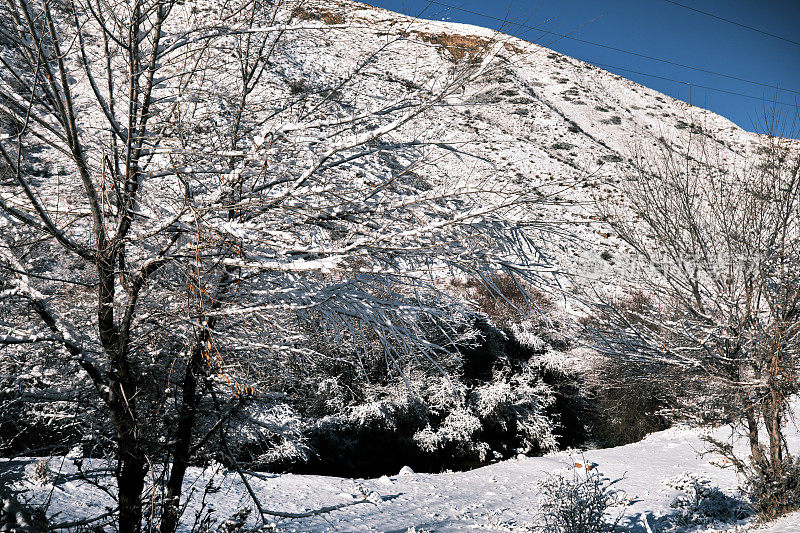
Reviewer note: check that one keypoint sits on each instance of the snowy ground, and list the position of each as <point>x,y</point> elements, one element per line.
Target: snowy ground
<point>499,497</point>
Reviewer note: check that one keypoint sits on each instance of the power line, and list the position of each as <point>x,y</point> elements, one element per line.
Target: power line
<point>691,84</point>
<point>683,82</point>
<point>687,83</point>
<point>712,15</point>
<point>614,48</point>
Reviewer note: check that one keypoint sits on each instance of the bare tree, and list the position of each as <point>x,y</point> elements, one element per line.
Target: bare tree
<point>176,210</point>
<point>718,238</point>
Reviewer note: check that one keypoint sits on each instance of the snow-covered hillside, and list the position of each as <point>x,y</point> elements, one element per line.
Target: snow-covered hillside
<point>536,120</point>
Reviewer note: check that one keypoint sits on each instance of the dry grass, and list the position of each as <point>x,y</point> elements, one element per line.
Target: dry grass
<point>508,301</point>
<point>317,13</point>
<point>513,48</point>
<point>635,307</point>
<point>459,46</point>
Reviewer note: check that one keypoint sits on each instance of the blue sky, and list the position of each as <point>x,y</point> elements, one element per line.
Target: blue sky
<point>664,30</point>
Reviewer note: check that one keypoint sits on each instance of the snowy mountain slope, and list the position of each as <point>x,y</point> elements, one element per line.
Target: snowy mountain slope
<point>534,121</point>
<point>537,120</point>
<point>499,497</point>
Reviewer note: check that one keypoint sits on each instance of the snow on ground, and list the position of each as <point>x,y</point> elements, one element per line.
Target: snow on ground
<point>787,524</point>
<point>499,497</point>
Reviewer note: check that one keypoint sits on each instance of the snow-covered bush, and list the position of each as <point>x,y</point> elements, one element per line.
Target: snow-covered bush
<point>519,403</point>
<point>497,398</point>
<point>579,502</point>
<point>235,523</point>
<point>40,472</point>
<point>459,434</point>
<point>772,496</point>
<point>701,503</point>
<point>509,414</point>
<point>505,300</point>
<point>269,434</point>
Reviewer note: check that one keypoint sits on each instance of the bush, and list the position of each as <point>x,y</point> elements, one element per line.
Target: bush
<point>504,299</point>
<point>701,503</point>
<point>628,398</point>
<point>318,13</point>
<point>626,403</point>
<point>772,496</point>
<point>508,392</point>
<point>579,503</point>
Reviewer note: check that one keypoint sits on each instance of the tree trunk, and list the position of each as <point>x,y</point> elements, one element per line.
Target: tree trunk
<point>772,421</point>
<point>752,434</point>
<point>130,481</point>
<point>120,398</point>
<point>132,461</point>
<point>183,439</point>
<point>188,414</point>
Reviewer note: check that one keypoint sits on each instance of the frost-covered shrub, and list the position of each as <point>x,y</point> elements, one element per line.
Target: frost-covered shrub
<point>519,403</point>
<point>235,523</point>
<point>40,473</point>
<point>458,434</point>
<point>380,415</point>
<point>444,423</point>
<point>528,336</point>
<point>773,496</point>
<point>507,415</point>
<point>701,503</point>
<point>505,392</point>
<point>367,439</point>
<point>260,433</point>
<point>579,502</point>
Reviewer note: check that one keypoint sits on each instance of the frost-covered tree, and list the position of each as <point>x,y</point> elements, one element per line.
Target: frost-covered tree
<point>719,233</point>
<point>187,196</point>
